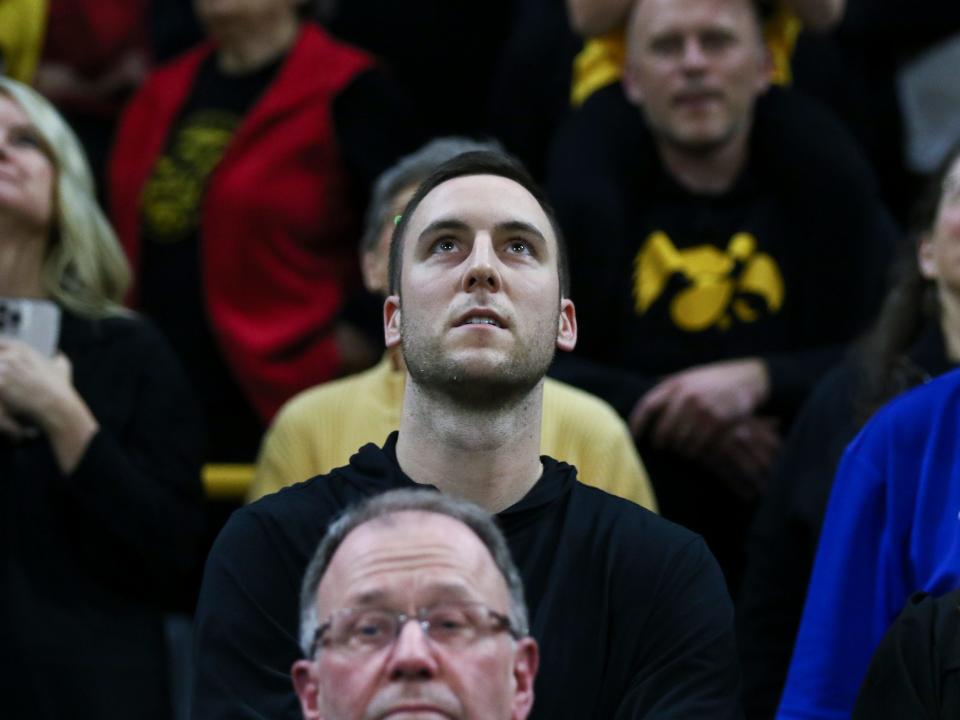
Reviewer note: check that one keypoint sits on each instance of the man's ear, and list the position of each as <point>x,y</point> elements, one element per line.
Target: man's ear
<point>525,664</point>
<point>567,326</point>
<point>631,87</point>
<point>391,321</point>
<point>926,257</point>
<point>766,68</point>
<point>306,683</point>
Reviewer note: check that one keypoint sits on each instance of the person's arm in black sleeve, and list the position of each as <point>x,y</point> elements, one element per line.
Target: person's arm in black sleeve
<point>829,191</point>
<point>375,124</point>
<point>782,542</point>
<point>137,484</point>
<point>245,627</point>
<point>688,664</point>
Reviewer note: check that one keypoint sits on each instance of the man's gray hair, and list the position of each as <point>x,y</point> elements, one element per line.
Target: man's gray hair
<point>478,520</point>
<point>410,170</point>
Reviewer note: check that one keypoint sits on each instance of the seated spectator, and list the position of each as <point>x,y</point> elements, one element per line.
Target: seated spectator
<point>915,672</point>
<point>727,242</point>
<point>322,427</point>
<point>916,337</point>
<point>235,185</point>
<point>431,579</point>
<point>479,302</point>
<point>99,461</point>
<point>890,530</point>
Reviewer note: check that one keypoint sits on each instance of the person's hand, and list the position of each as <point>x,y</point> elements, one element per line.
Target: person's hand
<point>744,455</point>
<point>40,390</point>
<point>688,411</point>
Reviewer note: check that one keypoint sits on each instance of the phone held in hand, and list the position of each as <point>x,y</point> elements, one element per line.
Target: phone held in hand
<point>35,322</point>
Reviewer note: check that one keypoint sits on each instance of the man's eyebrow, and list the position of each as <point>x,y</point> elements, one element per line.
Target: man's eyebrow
<point>504,227</point>
<point>520,226</point>
<point>444,224</point>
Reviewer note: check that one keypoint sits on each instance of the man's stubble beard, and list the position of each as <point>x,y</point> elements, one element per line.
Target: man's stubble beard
<point>489,388</point>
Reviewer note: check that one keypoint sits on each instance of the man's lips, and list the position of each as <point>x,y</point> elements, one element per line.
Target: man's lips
<point>483,317</point>
<point>696,98</point>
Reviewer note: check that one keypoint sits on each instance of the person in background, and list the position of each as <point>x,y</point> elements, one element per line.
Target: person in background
<point>727,241</point>
<point>236,183</point>
<point>916,337</point>
<point>319,429</point>
<point>915,672</point>
<point>891,529</point>
<point>99,452</point>
<point>429,579</point>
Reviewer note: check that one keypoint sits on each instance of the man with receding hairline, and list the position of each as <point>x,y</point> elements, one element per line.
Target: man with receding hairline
<point>412,604</point>
<point>630,611</point>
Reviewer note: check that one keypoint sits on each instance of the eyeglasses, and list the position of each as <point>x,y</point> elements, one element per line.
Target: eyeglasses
<point>453,624</point>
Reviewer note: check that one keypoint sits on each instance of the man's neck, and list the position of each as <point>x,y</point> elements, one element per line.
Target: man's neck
<point>246,49</point>
<point>709,173</point>
<point>491,458</point>
<point>21,264</point>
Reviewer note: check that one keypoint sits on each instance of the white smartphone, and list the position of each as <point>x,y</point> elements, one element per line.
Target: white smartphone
<point>35,322</point>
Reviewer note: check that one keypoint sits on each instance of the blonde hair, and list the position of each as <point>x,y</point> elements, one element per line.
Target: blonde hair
<point>84,270</point>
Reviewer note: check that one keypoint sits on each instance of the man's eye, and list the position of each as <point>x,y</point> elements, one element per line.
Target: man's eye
<point>443,245</point>
<point>667,45</point>
<point>519,247</point>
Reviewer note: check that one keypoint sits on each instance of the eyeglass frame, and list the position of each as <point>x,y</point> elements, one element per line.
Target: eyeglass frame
<point>504,623</point>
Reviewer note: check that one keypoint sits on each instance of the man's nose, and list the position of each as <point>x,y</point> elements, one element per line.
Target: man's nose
<point>482,266</point>
<point>694,58</point>
<point>412,656</point>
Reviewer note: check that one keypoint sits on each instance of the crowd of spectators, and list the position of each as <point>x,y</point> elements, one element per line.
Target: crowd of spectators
<point>760,204</point>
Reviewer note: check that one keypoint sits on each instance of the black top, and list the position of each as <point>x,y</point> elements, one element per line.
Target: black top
<point>788,264</point>
<point>915,672</point>
<point>88,561</point>
<point>784,537</point>
<point>630,611</point>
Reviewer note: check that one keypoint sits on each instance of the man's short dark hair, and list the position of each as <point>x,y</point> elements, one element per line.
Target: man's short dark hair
<point>477,163</point>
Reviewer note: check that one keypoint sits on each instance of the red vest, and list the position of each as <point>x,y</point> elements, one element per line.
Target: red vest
<point>278,231</point>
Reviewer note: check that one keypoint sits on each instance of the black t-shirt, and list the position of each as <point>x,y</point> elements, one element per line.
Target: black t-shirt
<point>171,282</point>
<point>630,611</point>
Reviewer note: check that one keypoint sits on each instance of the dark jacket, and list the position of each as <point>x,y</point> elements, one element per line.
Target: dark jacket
<point>89,561</point>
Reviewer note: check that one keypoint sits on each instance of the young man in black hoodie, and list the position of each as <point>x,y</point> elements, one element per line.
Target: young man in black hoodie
<point>630,611</point>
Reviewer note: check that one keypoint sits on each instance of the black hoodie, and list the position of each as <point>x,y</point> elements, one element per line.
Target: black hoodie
<point>631,612</point>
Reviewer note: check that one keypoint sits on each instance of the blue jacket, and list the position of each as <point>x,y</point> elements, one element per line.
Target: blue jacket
<point>892,528</point>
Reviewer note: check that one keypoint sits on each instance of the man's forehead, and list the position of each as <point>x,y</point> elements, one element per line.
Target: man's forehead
<point>657,16</point>
<point>480,200</point>
<point>422,547</point>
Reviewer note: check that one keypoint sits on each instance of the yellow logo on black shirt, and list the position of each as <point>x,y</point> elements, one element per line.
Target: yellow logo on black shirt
<point>718,285</point>
<point>172,196</point>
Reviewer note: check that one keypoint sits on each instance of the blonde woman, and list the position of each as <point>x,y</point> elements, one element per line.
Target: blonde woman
<point>99,483</point>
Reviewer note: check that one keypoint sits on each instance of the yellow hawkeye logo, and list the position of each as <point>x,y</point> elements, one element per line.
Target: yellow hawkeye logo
<point>718,285</point>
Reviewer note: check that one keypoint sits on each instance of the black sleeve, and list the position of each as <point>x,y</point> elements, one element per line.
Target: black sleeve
<point>375,124</point>
<point>782,543</point>
<point>137,486</point>
<point>915,672</point>
<point>830,192</point>
<point>245,626</point>
<point>688,665</point>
